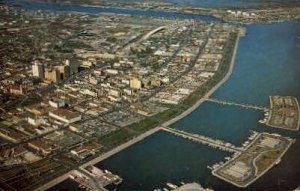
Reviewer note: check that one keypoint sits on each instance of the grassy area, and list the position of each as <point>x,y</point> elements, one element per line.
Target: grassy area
<point>121,135</point>
<point>154,121</point>
<point>265,160</point>
<point>116,137</point>
<point>254,149</point>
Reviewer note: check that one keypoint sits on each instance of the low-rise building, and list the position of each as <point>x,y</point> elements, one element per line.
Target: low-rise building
<point>42,145</point>
<point>135,83</point>
<point>56,103</point>
<point>52,75</point>
<point>65,116</point>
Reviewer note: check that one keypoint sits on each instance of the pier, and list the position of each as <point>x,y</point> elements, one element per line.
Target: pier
<point>246,106</point>
<point>215,143</point>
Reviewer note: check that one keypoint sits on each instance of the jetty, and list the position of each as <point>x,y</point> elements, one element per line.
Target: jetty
<point>93,178</point>
<point>243,105</point>
<point>215,143</point>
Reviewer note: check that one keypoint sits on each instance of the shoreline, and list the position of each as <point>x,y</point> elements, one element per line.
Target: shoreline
<point>154,130</point>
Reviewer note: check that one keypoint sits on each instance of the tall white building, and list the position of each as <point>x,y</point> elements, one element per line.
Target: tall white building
<point>38,70</point>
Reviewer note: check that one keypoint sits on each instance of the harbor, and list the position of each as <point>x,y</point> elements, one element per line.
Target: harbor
<point>93,178</point>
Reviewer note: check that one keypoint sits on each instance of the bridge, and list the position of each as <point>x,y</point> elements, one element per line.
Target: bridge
<point>144,37</point>
<point>215,143</point>
<point>246,106</point>
<point>153,32</point>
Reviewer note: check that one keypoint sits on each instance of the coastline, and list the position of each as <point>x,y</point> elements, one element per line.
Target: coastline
<point>153,130</point>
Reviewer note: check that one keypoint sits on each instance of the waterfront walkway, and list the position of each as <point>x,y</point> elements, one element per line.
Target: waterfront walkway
<point>215,143</point>
<point>246,106</point>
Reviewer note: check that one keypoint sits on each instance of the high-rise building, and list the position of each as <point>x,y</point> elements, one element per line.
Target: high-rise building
<point>64,71</point>
<point>53,75</point>
<point>38,70</point>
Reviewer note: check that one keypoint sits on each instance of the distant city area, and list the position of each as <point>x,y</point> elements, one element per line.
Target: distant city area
<point>78,87</point>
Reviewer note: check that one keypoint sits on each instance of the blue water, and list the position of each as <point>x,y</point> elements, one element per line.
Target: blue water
<point>220,122</point>
<point>155,161</point>
<point>267,63</point>
<point>233,3</point>
<point>215,3</point>
<point>66,186</point>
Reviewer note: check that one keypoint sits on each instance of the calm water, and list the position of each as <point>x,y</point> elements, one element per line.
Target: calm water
<point>65,186</point>
<point>268,63</point>
<point>163,158</point>
<point>233,3</point>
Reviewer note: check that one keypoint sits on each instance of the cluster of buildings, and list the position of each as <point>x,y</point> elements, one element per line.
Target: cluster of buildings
<point>208,48</point>
<point>117,71</point>
<point>284,113</point>
<point>55,74</point>
<point>266,15</point>
<point>137,68</point>
<point>238,13</point>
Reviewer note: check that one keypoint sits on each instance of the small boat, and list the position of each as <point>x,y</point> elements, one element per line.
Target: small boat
<point>262,121</point>
<point>173,186</point>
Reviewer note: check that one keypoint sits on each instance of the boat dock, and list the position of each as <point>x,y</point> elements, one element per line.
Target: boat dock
<point>246,106</point>
<point>93,178</point>
<point>215,143</point>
